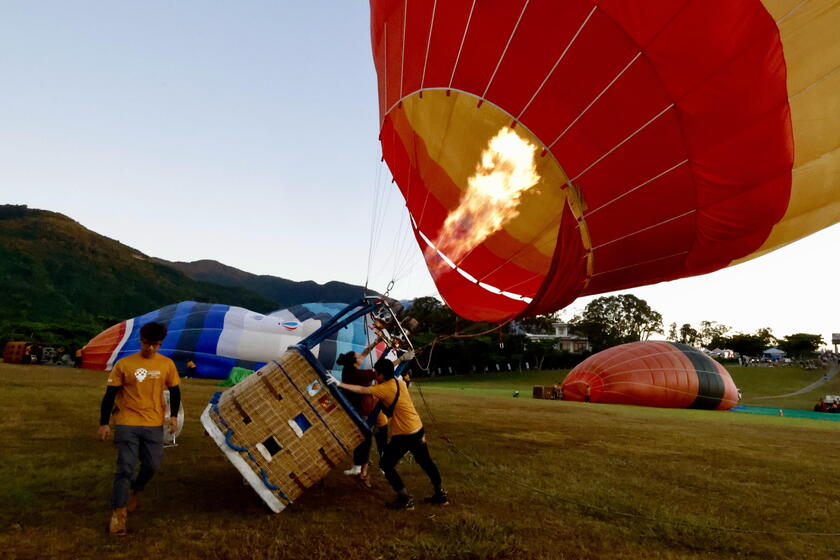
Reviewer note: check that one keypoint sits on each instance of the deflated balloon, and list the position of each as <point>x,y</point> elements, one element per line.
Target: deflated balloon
<point>548,150</point>
<point>663,374</point>
<point>217,338</point>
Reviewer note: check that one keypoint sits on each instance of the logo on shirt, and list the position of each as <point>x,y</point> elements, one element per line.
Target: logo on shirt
<point>140,374</point>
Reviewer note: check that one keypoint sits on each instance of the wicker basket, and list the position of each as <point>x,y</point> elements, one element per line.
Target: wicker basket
<point>283,428</point>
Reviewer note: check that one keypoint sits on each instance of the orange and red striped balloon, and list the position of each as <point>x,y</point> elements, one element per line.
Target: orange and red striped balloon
<point>663,374</point>
<point>670,138</point>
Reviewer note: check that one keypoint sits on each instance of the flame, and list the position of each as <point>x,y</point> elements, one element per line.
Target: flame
<point>506,170</point>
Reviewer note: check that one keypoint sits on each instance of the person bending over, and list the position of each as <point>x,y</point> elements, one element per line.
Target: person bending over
<point>407,434</point>
<point>136,385</point>
<point>364,405</point>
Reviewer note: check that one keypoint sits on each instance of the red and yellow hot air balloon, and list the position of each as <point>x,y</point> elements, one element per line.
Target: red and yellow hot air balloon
<point>663,374</point>
<point>548,150</point>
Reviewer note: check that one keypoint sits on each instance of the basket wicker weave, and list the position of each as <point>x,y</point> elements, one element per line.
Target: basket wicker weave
<point>283,428</point>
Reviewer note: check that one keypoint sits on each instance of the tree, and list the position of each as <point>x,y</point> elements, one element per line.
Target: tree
<point>800,345</point>
<point>432,315</point>
<point>541,324</point>
<point>611,320</point>
<point>672,332</point>
<point>711,331</point>
<point>751,344</point>
<point>688,335</point>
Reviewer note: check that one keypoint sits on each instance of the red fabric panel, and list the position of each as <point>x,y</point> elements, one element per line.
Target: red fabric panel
<point>546,29</point>
<point>673,237</point>
<point>392,51</point>
<point>597,56</point>
<point>670,195</point>
<point>704,35</point>
<point>416,37</point>
<point>450,22</point>
<point>643,20</point>
<point>621,279</point>
<point>490,27</point>
<point>97,352</point>
<point>566,277</point>
<point>725,228</point>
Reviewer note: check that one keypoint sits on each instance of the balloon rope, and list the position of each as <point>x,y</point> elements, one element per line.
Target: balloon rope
<point>443,337</point>
<point>461,47</point>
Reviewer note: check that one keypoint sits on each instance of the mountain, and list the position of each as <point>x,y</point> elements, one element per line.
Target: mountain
<point>58,276</point>
<point>283,292</point>
<point>63,283</point>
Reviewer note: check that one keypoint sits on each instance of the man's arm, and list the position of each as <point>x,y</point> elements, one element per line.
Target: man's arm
<point>354,388</point>
<point>174,400</point>
<point>105,410</point>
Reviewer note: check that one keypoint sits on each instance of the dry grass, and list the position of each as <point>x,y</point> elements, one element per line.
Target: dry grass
<point>527,479</point>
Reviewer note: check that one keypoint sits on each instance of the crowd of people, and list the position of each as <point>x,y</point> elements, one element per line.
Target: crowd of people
<point>828,403</point>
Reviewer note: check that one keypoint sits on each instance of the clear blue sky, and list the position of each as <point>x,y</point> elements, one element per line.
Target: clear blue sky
<point>246,132</point>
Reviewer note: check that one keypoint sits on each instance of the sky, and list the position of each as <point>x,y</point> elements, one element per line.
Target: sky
<point>246,132</point>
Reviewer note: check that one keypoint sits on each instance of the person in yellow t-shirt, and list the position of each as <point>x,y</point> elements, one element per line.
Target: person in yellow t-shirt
<point>406,431</point>
<point>136,385</point>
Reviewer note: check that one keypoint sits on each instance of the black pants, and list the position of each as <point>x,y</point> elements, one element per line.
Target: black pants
<point>361,454</point>
<point>397,448</point>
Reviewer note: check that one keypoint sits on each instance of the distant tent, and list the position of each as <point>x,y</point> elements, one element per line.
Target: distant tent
<point>773,353</point>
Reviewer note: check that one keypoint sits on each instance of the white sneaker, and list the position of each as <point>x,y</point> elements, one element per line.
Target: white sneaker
<point>354,470</point>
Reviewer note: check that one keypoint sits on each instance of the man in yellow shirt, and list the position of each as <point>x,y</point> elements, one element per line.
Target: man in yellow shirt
<point>136,385</point>
<point>406,431</point>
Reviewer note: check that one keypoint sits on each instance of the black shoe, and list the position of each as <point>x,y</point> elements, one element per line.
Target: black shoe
<point>402,501</point>
<point>439,499</point>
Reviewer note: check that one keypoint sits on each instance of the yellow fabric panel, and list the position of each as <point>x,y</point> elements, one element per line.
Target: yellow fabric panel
<point>815,114</point>
<point>810,33</point>
<point>779,9</point>
<point>458,151</point>
<point>810,41</point>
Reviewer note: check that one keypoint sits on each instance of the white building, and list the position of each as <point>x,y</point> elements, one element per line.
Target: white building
<point>565,340</point>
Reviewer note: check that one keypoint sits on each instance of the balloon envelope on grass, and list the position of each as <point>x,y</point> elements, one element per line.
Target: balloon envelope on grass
<point>662,374</point>
<point>217,338</point>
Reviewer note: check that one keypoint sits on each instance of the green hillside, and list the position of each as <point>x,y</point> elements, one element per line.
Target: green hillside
<point>57,275</point>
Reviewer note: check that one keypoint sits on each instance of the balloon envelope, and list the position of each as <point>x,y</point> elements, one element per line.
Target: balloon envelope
<point>665,139</point>
<point>662,374</point>
<point>219,337</point>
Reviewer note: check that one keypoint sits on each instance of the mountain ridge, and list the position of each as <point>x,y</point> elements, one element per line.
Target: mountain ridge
<point>57,274</point>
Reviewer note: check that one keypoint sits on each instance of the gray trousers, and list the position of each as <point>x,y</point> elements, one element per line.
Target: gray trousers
<point>135,442</point>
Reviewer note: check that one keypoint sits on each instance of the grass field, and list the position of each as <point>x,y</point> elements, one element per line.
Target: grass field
<point>527,479</point>
<point>754,382</point>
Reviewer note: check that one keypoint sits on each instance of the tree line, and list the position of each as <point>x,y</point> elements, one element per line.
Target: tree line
<point>455,345</point>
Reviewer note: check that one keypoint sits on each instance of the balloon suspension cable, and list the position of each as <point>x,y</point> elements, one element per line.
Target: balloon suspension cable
<point>442,337</point>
